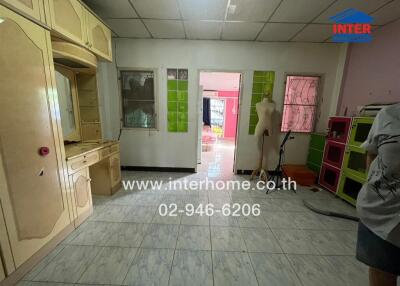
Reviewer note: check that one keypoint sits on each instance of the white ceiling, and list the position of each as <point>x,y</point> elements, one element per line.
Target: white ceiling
<point>243,20</point>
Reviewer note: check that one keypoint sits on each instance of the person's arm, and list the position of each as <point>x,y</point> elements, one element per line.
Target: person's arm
<point>370,157</point>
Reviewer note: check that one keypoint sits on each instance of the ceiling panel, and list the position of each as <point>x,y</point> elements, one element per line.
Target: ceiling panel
<point>388,13</point>
<point>251,10</point>
<point>166,29</point>
<point>314,33</point>
<point>157,9</point>
<point>207,30</point>
<point>112,8</point>
<point>241,31</point>
<point>300,11</point>
<point>366,6</point>
<point>279,32</point>
<point>203,9</point>
<point>132,28</point>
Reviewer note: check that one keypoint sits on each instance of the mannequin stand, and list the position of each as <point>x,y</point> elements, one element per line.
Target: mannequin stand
<point>262,173</point>
<point>277,174</point>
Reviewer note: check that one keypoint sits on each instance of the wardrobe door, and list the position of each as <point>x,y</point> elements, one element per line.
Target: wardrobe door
<point>31,8</point>
<point>32,187</point>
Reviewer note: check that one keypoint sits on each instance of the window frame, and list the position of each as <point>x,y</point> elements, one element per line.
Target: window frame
<point>156,100</point>
<point>317,114</point>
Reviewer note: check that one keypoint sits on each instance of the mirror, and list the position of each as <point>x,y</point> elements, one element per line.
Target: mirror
<point>65,81</point>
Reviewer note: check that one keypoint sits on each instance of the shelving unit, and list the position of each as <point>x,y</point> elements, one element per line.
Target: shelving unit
<point>316,151</point>
<point>355,172</point>
<point>335,145</point>
<point>344,168</point>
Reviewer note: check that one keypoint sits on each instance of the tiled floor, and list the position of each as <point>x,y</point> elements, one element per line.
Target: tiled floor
<point>126,241</point>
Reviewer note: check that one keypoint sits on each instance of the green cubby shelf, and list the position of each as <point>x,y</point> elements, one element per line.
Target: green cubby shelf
<point>360,128</point>
<point>349,187</point>
<point>355,161</point>
<point>316,151</point>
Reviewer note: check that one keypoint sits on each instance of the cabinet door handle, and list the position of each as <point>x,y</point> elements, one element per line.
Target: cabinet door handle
<point>84,162</point>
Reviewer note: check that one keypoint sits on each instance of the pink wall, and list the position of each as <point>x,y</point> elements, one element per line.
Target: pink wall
<point>231,105</point>
<point>372,73</point>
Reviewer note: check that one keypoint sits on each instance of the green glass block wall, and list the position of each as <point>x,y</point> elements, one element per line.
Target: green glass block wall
<point>263,87</point>
<point>177,86</point>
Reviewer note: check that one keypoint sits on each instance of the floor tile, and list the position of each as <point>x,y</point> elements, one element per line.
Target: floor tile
<point>294,241</point>
<point>273,270</point>
<point>111,213</point>
<point>233,268</point>
<point>127,235</point>
<point>42,264</point>
<point>168,219</point>
<point>218,219</point>
<point>110,266</point>
<point>307,220</point>
<point>252,221</point>
<point>194,238</point>
<point>316,270</point>
<point>334,223</point>
<point>260,240</point>
<point>191,268</point>
<point>195,220</point>
<point>140,214</point>
<point>150,267</point>
<point>94,233</point>
<point>227,239</point>
<point>36,283</point>
<point>333,242</point>
<point>161,236</point>
<point>69,264</point>
<point>352,271</point>
<point>279,219</point>
<point>269,205</point>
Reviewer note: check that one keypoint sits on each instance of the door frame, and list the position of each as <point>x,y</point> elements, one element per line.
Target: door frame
<point>239,104</point>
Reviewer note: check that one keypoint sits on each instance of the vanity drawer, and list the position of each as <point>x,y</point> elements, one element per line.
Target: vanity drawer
<point>83,161</point>
<point>114,148</point>
<point>104,152</point>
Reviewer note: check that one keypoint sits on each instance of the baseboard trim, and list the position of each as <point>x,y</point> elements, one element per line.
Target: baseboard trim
<point>158,169</point>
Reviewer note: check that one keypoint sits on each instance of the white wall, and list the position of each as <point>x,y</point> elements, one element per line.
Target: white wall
<point>163,149</point>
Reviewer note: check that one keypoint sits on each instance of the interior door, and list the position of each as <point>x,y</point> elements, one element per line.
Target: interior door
<point>237,125</point>
<point>199,123</point>
<point>32,189</point>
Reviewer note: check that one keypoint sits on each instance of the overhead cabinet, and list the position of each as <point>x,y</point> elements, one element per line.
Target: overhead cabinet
<point>72,21</point>
<point>68,20</point>
<point>31,8</point>
<point>99,37</point>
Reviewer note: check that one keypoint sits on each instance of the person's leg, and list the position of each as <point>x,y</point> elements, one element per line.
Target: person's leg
<point>381,278</point>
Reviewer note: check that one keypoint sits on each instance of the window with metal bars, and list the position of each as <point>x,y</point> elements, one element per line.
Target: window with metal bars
<point>300,103</point>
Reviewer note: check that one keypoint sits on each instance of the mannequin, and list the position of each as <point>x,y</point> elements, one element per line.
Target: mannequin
<point>264,109</point>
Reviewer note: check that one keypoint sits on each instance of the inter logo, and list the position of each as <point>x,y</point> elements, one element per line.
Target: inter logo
<point>351,26</point>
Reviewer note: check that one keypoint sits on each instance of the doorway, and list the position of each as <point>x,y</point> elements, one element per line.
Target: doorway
<point>219,95</point>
